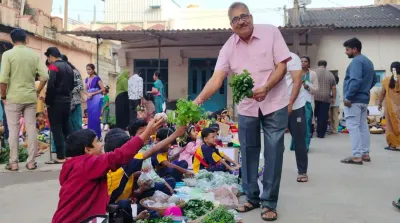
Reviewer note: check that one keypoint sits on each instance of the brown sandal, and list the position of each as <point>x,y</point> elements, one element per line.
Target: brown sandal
<point>247,208</point>
<point>266,212</point>
<point>302,178</point>
<point>10,168</point>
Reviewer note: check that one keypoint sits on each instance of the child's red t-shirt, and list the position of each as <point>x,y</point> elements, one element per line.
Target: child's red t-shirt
<point>83,181</point>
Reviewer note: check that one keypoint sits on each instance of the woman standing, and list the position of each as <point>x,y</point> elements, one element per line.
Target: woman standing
<point>391,90</point>
<point>122,101</point>
<point>158,92</point>
<point>310,84</point>
<point>94,92</point>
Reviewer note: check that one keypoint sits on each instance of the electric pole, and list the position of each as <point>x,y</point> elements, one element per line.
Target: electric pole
<point>285,20</point>
<point>65,15</point>
<point>296,23</point>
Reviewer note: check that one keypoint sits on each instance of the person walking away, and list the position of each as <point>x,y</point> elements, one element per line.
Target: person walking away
<point>335,109</point>
<point>94,92</point>
<point>135,91</point>
<point>391,91</point>
<point>105,111</point>
<point>158,92</point>
<point>324,97</point>
<point>18,71</point>
<point>121,100</point>
<point>262,50</point>
<point>360,78</point>
<point>310,84</point>
<point>58,100</point>
<point>297,116</point>
<point>76,107</point>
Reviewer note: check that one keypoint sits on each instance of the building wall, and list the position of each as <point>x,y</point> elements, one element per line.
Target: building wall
<point>177,66</point>
<point>381,2</point>
<point>197,18</point>
<point>45,5</point>
<point>138,11</point>
<point>381,46</point>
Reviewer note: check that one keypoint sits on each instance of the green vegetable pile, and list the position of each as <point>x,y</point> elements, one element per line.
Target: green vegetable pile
<point>186,112</point>
<point>242,85</point>
<point>5,154</point>
<point>157,220</point>
<point>219,215</point>
<point>196,208</point>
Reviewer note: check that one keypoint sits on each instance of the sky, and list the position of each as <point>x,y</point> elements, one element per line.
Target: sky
<point>263,11</point>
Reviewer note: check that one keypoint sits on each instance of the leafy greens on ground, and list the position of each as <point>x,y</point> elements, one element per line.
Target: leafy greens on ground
<point>196,208</point>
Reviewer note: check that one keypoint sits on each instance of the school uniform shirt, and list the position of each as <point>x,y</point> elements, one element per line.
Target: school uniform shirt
<point>209,154</point>
<point>120,182</point>
<point>156,161</point>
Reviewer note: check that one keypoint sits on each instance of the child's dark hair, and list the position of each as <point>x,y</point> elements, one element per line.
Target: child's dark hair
<point>164,133</point>
<point>85,111</point>
<point>107,89</point>
<point>39,114</point>
<point>206,132</point>
<point>135,125</point>
<point>148,97</point>
<point>78,141</point>
<point>115,138</point>
<point>215,127</point>
<point>336,79</point>
<point>392,82</point>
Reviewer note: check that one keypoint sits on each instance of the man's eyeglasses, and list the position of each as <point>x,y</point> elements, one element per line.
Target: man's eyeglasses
<point>242,17</point>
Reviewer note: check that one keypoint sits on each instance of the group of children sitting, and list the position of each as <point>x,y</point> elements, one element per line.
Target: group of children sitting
<point>132,167</point>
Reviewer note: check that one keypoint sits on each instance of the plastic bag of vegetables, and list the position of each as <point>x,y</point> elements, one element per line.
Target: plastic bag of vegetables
<point>242,85</point>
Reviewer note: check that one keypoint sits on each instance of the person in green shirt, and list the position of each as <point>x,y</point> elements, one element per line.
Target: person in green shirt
<point>105,111</point>
<point>17,83</point>
<point>122,101</point>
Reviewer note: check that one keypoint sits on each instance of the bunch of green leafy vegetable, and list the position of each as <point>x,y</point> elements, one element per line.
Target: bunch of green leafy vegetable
<point>187,112</point>
<point>5,154</point>
<point>242,85</point>
<point>196,208</point>
<point>219,215</point>
<point>157,220</point>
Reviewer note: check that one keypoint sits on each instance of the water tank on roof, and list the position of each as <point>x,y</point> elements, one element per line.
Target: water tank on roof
<point>304,2</point>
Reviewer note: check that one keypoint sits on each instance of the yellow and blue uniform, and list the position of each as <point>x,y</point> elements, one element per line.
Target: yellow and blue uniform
<point>164,171</point>
<point>211,156</point>
<point>120,182</point>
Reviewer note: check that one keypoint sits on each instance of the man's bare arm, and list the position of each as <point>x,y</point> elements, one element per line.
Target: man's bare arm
<point>41,86</point>
<point>277,75</point>
<point>297,83</point>
<point>211,87</point>
<point>3,89</point>
<point>333,94</point>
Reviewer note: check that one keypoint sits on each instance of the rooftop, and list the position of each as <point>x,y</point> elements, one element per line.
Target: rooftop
<point>382,16</point>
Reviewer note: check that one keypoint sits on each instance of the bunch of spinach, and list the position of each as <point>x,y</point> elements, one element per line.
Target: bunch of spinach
<point>196,208</point>
<point>187,112</point>
<point>242,85</point>
<point>219,215</point>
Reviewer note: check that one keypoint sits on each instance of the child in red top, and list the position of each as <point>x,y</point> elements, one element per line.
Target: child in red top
<point>83,178</point>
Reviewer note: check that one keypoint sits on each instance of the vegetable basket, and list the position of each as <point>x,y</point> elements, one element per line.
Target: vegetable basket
<point>161,210</point>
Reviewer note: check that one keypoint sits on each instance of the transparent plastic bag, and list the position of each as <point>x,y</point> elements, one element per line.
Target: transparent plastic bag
<point>174,199</point>
<point>190,182</point>
<point>160,197</point>
<point>145,180</point>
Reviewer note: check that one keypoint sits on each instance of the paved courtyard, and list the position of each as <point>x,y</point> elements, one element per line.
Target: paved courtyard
<point>336,193</point>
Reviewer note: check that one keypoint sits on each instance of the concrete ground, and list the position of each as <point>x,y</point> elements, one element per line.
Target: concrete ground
<point>336,193</point>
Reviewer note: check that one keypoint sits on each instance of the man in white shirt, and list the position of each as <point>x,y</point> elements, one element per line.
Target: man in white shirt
<point>297,116</point>
<point>135,93</point>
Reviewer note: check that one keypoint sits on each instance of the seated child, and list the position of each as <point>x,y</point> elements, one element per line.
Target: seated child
<point>166,185</point>
<point>193,143</point>
<point>147,102</point>
<point>83,178</point>
<point>224,116</point>
<point>161,163</point>
<point>40,122</point>
<point>209,157</point>
<point>121,182</point>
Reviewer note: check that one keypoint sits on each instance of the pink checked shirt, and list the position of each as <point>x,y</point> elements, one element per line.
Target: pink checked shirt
<point>187,153</point>
<point>265,49</point>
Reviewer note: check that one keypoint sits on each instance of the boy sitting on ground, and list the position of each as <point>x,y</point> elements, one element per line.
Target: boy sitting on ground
<point>83,179</point>
<point>166,185</point>
<point>209,157</point>
<point>121,181</point>
<point>161,163</point>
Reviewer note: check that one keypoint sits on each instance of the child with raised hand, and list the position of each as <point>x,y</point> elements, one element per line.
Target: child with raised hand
<point>209,157</point>
<point>121,182</point>
<point>162,164</point>
<point>83,178</point>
